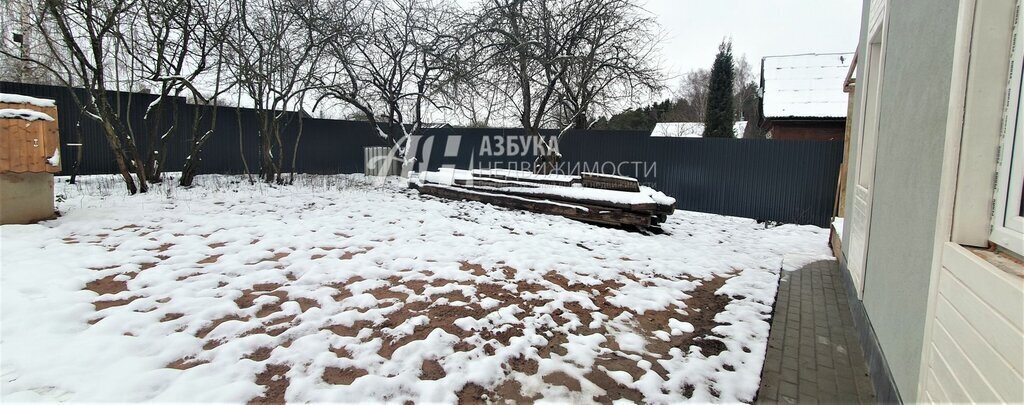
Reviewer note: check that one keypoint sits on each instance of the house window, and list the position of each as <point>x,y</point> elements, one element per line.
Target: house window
<point>1008,218</point>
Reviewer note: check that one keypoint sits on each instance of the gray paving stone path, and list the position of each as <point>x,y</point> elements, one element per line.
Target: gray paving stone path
<point>814,353</point>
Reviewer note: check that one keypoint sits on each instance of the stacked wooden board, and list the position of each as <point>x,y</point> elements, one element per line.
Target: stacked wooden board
<point>590,197</point>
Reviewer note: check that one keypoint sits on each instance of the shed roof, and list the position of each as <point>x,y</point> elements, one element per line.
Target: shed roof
<point>805,86</point>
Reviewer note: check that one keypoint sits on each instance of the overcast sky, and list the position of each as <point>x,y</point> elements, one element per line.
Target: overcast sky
<point>694,28</point>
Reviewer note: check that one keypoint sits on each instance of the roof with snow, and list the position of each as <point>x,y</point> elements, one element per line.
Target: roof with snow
<point>690,129</point>
<point>8,98</point>
<point>805,86</point>
<point>24,114</point>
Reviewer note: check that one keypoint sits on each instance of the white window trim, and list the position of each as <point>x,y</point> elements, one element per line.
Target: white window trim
<point>1007,223</point>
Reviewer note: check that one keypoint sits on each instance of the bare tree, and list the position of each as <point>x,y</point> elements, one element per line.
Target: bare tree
<point>694,89</point>
<point>84,34</point>
<point>614,64</point>
<point>394,61</point>
<point>21,43</point>
<point>170,44</point>
<point>273,57</point>
<point>481,105</point>
<point>746,102</point>
<point>566,57</point>
<point>216,22</point>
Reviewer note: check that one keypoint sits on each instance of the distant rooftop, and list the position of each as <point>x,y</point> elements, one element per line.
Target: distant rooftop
<point>690,129</point>
<point>805,86</point>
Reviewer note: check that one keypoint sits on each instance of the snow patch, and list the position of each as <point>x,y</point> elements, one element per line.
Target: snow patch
<point>9,98</point>
<point>24,114</point>
<point>252,267</point>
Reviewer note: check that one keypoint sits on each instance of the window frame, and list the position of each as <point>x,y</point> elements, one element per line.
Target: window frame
<point>1007,221</point>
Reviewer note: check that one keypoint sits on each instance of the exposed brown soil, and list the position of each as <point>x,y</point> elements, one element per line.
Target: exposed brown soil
<point>275,383</point>
<point>350,255</point>
<point>700,310</point>
<point>171,316</point>
<point>472,394</point>
<point>215,323</point>
<point>613,391</point>
<point>107,285</point>
<point>563,379</point>
<point>209,259</point>
<point>101,305</point>
<point>342,376</point>
<point>260,354</point>
<point>350,330</point>
<point>185,363</point>
<point>432,370</point>
<point>276,257</point>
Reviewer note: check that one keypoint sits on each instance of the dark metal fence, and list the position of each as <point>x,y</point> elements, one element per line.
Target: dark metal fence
<point>325,146</point>
<point>769,180</point>
<point>790,181</point>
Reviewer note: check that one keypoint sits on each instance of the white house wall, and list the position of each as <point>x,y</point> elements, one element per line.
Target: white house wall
<point>912,125</point>
<point>976,347</point>
<point>914,100</point>
<point>974,339</point>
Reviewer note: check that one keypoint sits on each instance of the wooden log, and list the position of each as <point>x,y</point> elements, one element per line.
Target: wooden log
<point>496,183</point>
<point>537,179</point>
<point>595,214</point>
<point>608,182</point>
<point>540,193</point>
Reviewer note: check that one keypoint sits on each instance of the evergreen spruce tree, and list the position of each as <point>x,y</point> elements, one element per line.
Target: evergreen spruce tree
<point>718,121</point>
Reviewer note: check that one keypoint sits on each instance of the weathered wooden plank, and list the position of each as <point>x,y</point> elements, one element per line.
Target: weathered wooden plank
<point>27,144</point>
<point>596,214</point>
<point>607,182</point>
<point>496,183</point>
<point>6,144</point>
<point>541,194</point>
<point>538,179</point>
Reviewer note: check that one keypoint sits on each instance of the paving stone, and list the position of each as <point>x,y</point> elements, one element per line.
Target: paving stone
<point>788,389</point>
<point>814,351</point>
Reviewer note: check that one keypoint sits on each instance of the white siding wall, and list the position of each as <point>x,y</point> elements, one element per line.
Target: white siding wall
<point>876,13</point>
<point>976,350</point>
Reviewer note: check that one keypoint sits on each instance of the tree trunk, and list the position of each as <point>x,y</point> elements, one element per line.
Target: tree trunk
<point>547,161</point>
<point>295,151</point>
<point>111,128</point>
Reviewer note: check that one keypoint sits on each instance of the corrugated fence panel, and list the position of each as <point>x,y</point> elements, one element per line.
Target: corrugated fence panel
<point>769,180</point>
<point>325,146</point>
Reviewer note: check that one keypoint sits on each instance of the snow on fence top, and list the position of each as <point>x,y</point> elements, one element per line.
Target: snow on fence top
<point>20,113</point>
<point>690,129</point>
<point>20,99</point>
<point>805,86</point>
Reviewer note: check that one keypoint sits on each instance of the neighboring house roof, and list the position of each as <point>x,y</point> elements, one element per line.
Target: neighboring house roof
<point>804,86</point>
<point>690,129</point>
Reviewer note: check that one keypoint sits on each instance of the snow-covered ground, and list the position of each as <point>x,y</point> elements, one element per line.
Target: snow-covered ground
<point>337,289</point>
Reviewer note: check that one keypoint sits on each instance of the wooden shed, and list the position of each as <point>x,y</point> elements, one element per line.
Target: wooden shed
<point>29,156</point>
